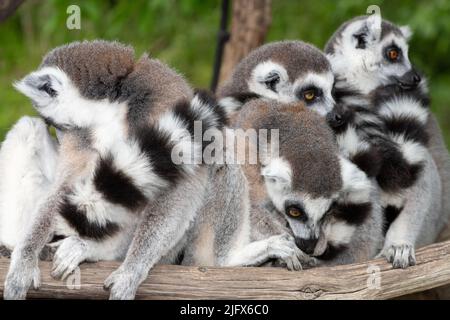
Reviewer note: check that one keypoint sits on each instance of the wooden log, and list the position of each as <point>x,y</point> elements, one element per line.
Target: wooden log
<point>178,282</point>
<point>250,23</point>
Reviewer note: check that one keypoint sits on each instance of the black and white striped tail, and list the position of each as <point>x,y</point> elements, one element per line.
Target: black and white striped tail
<point>404,118</point>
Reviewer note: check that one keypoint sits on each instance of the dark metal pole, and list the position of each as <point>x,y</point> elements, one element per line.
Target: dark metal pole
<point>222,39</point>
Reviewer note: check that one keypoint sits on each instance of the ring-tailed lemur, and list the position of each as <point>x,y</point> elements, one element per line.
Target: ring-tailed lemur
<point>283,71</point>
<point>330,205</point>
<point>121,121</point>
<point>383,123</point>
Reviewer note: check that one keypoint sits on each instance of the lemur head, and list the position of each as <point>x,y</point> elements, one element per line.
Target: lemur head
<point>367,52</point>
<point>71,87</point>
<point>83,83</point>
<point>286,71</point>
<point>322,195</point>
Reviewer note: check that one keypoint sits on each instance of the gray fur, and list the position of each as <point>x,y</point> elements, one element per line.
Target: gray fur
<point>305,141</point>
<point>439,152</point>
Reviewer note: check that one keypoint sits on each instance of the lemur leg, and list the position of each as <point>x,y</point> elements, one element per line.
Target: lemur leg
<point>163,225</point>
<point>404,232</point>
<point>73,250</point>
<point>27,167</point>
<point>23,270</point>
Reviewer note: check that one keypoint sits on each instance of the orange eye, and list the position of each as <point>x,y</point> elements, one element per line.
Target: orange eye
<point>294,212</point>
<point>393,54</point>
<point>309,95</point>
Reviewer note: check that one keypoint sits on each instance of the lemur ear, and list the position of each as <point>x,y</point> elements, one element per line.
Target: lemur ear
<point>406,31</point>
<point>40,86</point>
<point>373,24</point>
<point>356,187</point>
<point>265,78</point>
<point>278,173</point>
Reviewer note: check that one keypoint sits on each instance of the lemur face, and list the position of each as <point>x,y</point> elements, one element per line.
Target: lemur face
<point>289,71</point>
<point>57,99</point>
<point>79,85</point>
<point>368,52</point>
<point>270,79</point>
<point>319,224</point>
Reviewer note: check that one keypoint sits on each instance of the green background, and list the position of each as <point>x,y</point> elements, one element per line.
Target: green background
<point>183,34</point>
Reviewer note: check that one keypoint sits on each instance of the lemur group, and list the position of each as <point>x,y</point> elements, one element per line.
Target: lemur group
<point>362,169</point>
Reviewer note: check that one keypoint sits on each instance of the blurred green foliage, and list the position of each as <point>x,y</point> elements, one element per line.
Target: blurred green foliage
<point>183,34</point>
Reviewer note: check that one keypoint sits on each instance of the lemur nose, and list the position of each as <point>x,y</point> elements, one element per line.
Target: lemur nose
<point>334,118</point>
<point>306,245</point>
<point>410,79</point>
<point>416,78</point>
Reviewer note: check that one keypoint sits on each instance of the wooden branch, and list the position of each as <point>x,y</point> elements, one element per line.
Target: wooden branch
<point>8,7</point>
<point>250,23</point>
<point>342,282</point>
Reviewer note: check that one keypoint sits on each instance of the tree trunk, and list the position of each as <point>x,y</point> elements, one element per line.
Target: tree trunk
<point>250,22</point>
<point>8,7</point>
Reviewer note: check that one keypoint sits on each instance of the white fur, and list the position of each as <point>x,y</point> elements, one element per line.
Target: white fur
<point>201,108</point>
<point>350,143</point>
<point>27,165</point>
<point>316,207</point>
<point>407,32</point>
<point>413,152</point>
<point>323,81</point>
<point>182,140</point>
<point>284,87</point>
<point>230,104</point>
<point>278,179</point>
<point>356,186</point>
<point>339,233</point>
<point>404,107</point>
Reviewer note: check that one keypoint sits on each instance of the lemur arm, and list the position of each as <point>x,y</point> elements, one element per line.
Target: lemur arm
<point>281,247</point>
<point>420,209</point>
<point>24,270</point>
<point>164,223</point>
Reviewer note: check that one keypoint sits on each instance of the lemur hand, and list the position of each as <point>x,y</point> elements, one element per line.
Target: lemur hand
<point>23,273</point>
<point>124,282</point>
<point>400,255</point>
<point>70,253</point>
<point>287,254</point>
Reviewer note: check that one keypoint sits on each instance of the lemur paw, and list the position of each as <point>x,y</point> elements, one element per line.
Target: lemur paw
<point>70,253</point>
<point>284,249</point>
<point>401,256</point>
<point>22,274</point>
<point>123,284</point>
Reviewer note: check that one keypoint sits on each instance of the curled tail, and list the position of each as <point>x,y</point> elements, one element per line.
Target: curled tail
<point>233,103</point>
<point>404,120</point>
<point>174,143</point>
<point>389,144</point>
